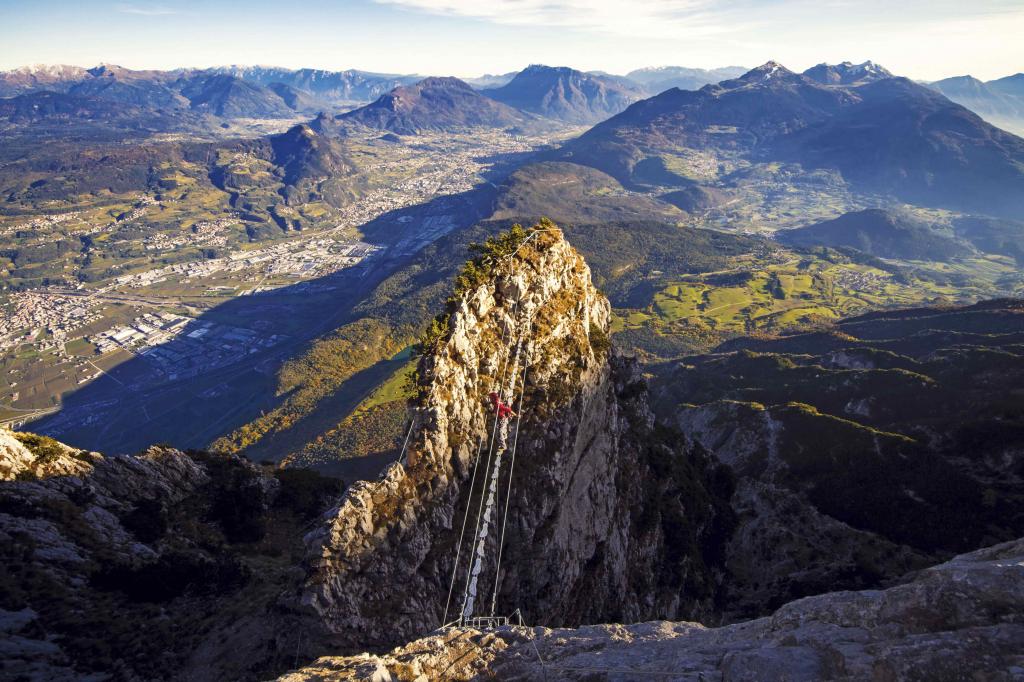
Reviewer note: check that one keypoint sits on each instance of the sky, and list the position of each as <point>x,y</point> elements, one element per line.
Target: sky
<point>926,40</point>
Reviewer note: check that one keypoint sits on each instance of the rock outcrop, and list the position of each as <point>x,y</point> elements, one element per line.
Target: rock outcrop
<point>890,443</point>
<point>957,621</point>
<point>160,565</point>
<point>784,546</point>
<point>26,456</point>
<point>61,521</point>
<point>607,520</point>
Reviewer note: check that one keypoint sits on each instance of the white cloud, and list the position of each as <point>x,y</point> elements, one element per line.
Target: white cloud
<point>659,19</point>
<point>917,38</point>
<point>148,11</point>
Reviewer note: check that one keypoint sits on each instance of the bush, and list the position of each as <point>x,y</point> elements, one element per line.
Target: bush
<point>599,341</point>
<point>44,448</point>
<point>306,492</point>
<point>237,499</point>
<point>476,271</point>
<point>147,521</point>
<point>172,575</point>
<point>434,334</point>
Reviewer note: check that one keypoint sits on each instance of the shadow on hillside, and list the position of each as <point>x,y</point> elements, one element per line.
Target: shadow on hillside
<point>501,165</point>
<point>219,371</point>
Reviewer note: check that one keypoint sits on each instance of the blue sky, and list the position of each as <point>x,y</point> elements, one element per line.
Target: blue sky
<point>920,39</point>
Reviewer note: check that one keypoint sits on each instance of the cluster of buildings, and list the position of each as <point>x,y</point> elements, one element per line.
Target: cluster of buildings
<point>45,319</point>
<point>429,229</point>
<point>321,257</point>
<point>205,346</point>
<point>307,259</point>
<point>148,330</point>
<point>41,222</point>
<point>167,346</point>
<point>456,170</point>
<point>857,280</point>
<point>204,232</point>
<point>137,210</point>
<point>407,193</point>
<point>179,347</point>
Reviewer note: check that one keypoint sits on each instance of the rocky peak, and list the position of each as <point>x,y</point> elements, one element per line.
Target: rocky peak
<point>767,71</point>
<point>445,82</point>
<point>566,94</point>
<point>587,511</point>
<point>434,104</point>
<point>116,72</point>
<point>325,124</point>
<point>406,96</point>
<point>15,458</point>
<point>307,160</point>
<point>26,79</point>
<point>49,70</point>
<point>847,73</point>
<point>770,76</point>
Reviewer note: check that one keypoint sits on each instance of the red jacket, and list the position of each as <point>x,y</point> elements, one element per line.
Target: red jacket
<point>503,410</point>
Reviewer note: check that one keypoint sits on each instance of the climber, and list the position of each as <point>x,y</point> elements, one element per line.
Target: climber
<point>501,409</point>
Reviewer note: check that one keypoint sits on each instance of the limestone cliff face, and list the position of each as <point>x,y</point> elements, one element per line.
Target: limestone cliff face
<point>957,621</point>
<point>606,521</point>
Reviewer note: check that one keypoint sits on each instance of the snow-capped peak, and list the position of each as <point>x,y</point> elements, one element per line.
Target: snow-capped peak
<point>770,70</point>
<point>47,71</point>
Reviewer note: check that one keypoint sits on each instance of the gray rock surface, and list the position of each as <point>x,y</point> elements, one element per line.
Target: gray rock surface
<point>61,522</point>
<point>783,547</point>
<point>586,538</point>
<point>100,492</point>
<point>17,460</point>
<point>961,620</point>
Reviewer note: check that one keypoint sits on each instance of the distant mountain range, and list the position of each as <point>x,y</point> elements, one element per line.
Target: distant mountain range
<point>559,93</point>
<point>566,94</point>
<point>883,134</point>
<point>1000,102</point>
<point>25,79</point>
<point>57,107</point>
<point>435,104</point>
<point>536,93</point>
<point>808,118</point>
<point>556,92</point>
<point>232,97</point>
<point>491,80</point>
<point>167,93</point>
<point>151,89</point>
<point>331,86</point>
<point>659,79</point>
<point>847,73</point>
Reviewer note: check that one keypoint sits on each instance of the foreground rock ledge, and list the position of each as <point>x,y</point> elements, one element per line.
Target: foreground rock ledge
<point>962,620</point>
